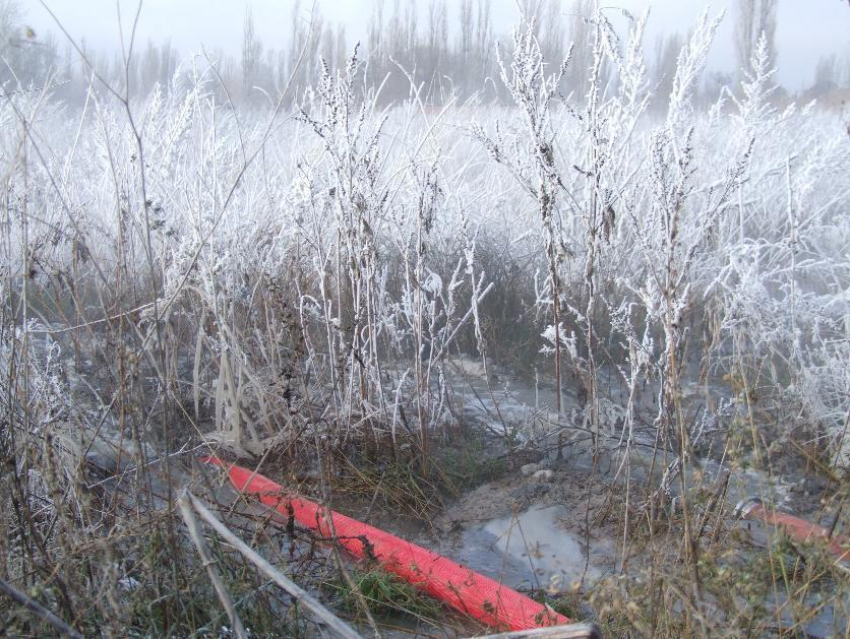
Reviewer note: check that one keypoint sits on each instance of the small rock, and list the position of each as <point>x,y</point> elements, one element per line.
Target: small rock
<point>528,469</point>
<point>529,492</point>
<point>543,475</point>
<point>128,583</point>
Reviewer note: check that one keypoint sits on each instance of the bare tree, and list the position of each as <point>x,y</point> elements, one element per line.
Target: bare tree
<point>10,15</point>
<point>20,50</point>
<point>753,18</point>
<point>532,13</point>
<point>169,58</point>
<point>341,46</point>
<point>552,31</point>
<point>437,46</point>
<point>328,45</point>
<point>376,26</point>
<point>826,72</point>
<point>396,38</point>
<point>667,50</point>
<point>251,50</point>
<point>149,69</point>
<point>305,44</point>
<point>467,29</point>
<point>846,78</point>
<point>581,15</point>
<point>410,17</point>
<point>484,38</point>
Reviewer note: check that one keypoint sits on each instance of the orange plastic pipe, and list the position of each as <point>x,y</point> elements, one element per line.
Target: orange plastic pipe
<point>797,528</point>
<point>464,590</point>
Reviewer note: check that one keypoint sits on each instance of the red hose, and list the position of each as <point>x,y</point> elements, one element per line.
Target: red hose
<point>797,528</point>
<point>469,592</point>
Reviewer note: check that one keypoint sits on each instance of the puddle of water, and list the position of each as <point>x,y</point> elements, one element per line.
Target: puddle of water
<point>537,538</point>
<point>530,549</point>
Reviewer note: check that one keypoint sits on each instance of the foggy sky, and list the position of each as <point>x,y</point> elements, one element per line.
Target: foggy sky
<point>806,30</point>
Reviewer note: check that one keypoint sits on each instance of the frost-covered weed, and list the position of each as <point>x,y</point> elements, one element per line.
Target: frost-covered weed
<point>327,251</point>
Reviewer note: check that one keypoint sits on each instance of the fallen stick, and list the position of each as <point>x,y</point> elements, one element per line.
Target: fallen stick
<point>209,565</point>
<point>294,590</point>
<point>39,610</point>
<point>573,631</point>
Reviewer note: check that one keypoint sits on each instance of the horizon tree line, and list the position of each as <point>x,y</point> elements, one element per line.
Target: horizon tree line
<point>406,53</point>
